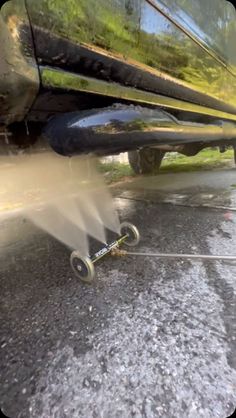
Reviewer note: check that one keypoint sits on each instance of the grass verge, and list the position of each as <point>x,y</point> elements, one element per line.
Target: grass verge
<point>115,171</point>
<point>208,159</point>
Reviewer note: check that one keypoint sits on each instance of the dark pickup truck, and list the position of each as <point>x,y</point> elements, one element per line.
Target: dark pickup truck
<point>106,76</point>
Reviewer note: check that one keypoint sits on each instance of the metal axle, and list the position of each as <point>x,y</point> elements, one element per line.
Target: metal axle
<point>83,266</point>
<point>108,248</point>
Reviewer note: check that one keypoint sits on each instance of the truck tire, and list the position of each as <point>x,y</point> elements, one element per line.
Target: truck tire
<point>146,160</point>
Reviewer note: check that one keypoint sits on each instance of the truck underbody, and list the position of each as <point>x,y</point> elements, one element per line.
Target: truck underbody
<point>152,84</point>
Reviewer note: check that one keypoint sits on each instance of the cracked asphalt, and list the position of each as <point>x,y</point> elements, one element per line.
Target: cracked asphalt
<point>151,337</point>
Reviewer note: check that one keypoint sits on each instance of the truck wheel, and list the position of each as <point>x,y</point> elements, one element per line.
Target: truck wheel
<point>146,160</point>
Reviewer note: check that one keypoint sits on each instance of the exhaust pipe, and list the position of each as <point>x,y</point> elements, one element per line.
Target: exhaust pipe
<point>124,128</point>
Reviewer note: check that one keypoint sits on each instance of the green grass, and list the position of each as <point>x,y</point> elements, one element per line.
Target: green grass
<point>116,171</point>
<point>208,159</point>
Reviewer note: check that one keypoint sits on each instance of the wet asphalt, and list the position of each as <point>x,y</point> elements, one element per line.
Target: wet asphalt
<point>150,338</point>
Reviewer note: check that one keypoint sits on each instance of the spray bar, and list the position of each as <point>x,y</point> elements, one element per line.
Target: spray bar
<point>109,248</point>
<point>83,266</point>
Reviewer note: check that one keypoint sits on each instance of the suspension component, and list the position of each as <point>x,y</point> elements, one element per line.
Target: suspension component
<point>83,266</point>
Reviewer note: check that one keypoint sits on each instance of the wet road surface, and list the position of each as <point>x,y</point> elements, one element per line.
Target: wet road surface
<point>150,338</point>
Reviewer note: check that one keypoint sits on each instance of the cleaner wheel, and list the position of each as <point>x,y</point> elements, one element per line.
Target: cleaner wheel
<point>82,267</point>
<point>133,235</point>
